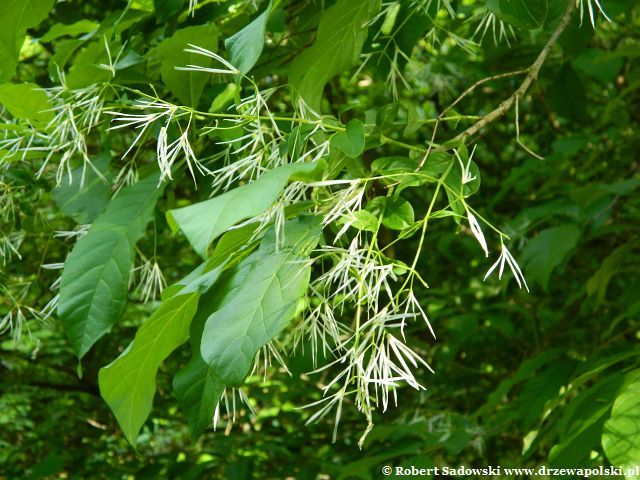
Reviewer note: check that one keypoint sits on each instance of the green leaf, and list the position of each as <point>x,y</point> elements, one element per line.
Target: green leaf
<point>528,406</point>
<point>410,26</point>
<point>64,49</point>
<point>341,34</point>
<point>391,165</point>
<point>84,201</point>
<point>261,300</point>
<point>128,384</point>
<point>26,101</point>
<point>199,386</point>
<point>351,141</point>
<point>621,434</point>
<point>582,422</point>
<point>245,47</point>
<point>203,222</point>
<point>575,39</point>
<point>398,214</point>
<point>365,220</point>
<point>94,284</point>
<point>403,172</point>
<point>196,386</point>
<point>597,284</point>
<point>528,14</point>
<point>526,370</point>
<point>16,16</point>
<point>568,95</point>
<point>187,85</point>
<point>86,68</point>
<point>166,8</point>
<point>547,250</point>
<point>390,18</point>
<point>224,98</point>
<point>72,30</point>
<point>599,65</point>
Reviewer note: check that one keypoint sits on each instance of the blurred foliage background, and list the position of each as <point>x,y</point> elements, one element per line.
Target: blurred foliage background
<point>521,378</point>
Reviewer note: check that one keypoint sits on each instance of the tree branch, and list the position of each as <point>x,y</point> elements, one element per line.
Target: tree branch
<point>477,84</point>
<point>532,75</point>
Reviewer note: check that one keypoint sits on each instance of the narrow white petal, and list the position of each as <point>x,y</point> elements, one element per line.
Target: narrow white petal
<point>477,232</point>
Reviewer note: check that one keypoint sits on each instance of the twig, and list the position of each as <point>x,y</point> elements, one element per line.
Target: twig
<point>526,149</point>
<point>478,83</point>
<point>532,75</point>
<point>441,117</point>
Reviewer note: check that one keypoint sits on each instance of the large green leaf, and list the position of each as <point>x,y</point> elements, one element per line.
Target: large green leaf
<point>621,434</point>
<point>128,384</point>
<point>397,213</point>
<point>196,386</point>
<point>526,370</point>
<point>245,47</point>
<point>85,200</point>
<point>203,222</point>
<point>166,8</point>
<point>26,101</point>
<point>567,94</point>
<point>230,249</point>
<point>94,284</point>
<point>351,141</point>
<point>86,68</point>
<point>528,14</point>
<point>262,300</point>
<point>597,284</point>
<point>64,50</point>
<point>69,30</point>
<point>581,424</point>
<point>186,85</point>
<point>409,26</point>
<point>199,385</point>
<point>341,35</point>
<point>15,17</point>
<point>547,250</point>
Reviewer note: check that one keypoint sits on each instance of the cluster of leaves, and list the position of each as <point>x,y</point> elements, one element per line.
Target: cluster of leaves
<point>314,160</point>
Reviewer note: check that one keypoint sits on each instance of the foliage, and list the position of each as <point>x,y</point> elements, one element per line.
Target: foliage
<point>334,176</point>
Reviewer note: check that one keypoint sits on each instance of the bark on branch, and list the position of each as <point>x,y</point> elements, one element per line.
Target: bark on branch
<point>532,75</point>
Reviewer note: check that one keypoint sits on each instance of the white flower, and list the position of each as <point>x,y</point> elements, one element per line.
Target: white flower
<point>230,69</point>
<point>231,406</point>
<point>10,245</point>
<point>477,232</point>
<point>192,7</point>
<point>589,3</point>
<point>506,257</point>
<point>142,121</point>
<point>466,175</point>
<point>79,232</point>
<point>112,65</point>
<point>151,281</point>
<point>490,22</point>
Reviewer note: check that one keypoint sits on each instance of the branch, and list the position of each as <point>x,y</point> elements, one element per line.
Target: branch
<point>477,84</point>
<point>532,75</point>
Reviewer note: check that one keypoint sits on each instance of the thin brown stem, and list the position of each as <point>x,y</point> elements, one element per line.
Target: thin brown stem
<point>481,82</point>
<point>532,75</point>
